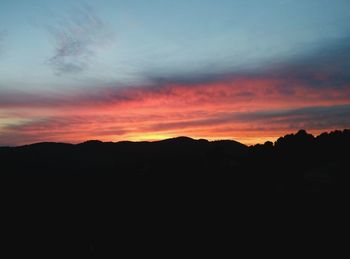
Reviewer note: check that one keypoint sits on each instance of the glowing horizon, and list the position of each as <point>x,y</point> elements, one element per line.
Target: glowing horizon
<point>215,110</point>
<point>131,70</point>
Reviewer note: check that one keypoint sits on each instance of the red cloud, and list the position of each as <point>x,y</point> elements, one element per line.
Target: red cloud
<point>222,109</point>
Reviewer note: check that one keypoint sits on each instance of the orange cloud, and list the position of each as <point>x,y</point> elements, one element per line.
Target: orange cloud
<point>247,109</point>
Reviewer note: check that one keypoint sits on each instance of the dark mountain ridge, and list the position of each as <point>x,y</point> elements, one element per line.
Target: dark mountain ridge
<point>294,162</point>
<point>97,198</point>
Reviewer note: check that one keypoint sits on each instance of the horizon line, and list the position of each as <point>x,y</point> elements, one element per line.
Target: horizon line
<point>177,137</point>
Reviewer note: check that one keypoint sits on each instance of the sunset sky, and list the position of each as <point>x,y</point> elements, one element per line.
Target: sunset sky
<point>249,70</point>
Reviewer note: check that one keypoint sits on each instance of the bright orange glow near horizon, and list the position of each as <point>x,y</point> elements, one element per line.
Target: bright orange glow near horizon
<point>247,110</point>
<point>72,71</point>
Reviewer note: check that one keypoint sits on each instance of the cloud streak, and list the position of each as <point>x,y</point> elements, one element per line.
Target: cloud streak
<point>78,38</point>
<point>213,110</point>
<point>243,126</point>
<point>238,92</point>
<point>324,65</point>
<point>310,92</point>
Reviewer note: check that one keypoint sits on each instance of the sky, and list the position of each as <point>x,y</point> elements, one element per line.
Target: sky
<point>113,70</point>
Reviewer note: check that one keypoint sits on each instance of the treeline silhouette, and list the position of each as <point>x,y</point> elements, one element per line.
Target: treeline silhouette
<point>299,162</point>
<point>93,197</point>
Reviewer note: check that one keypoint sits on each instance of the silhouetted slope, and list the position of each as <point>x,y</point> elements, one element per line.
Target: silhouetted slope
<point>294,162</point>
<point>103,198</point>
<point>303,162</point>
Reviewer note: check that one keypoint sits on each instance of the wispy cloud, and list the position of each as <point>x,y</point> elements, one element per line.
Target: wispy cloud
<point>78,38</point>
<point>217,109</point>
<point>238,93</point>
<point>324,65</point>
<point>310,91</point>
<point>138,125</point>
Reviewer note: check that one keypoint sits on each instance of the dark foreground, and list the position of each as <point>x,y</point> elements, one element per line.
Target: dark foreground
<point>156,199</point>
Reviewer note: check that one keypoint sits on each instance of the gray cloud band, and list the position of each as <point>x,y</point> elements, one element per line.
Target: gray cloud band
<point>325,65</point>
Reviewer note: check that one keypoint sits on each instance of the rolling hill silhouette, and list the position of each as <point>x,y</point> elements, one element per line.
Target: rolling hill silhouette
<point>294,162</point>
<point>92,197</point>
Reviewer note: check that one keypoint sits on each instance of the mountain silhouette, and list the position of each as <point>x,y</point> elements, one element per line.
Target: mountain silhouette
<point>92,197</point>
<point>294,162</point>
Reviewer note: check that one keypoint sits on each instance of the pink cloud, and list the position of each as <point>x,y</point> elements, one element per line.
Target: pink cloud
<point>242,108</point>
